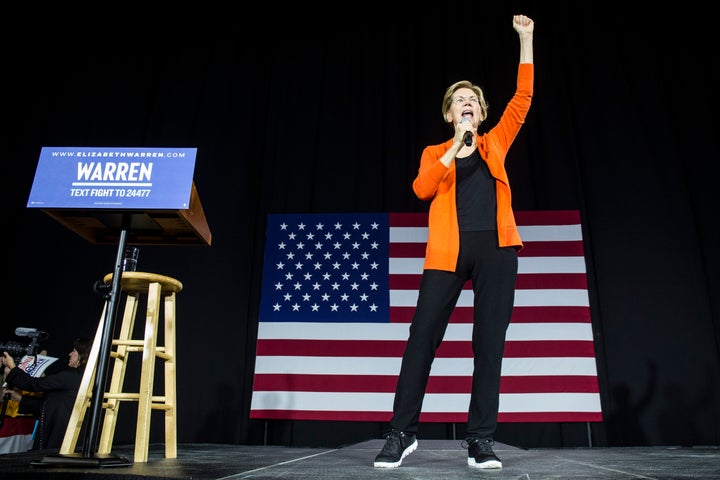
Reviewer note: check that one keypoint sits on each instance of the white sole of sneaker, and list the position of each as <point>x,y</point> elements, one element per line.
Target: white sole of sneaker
<point>405,453</point>
<point>488,464</point>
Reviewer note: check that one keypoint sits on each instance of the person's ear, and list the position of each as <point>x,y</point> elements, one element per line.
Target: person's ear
<point>448,117</point>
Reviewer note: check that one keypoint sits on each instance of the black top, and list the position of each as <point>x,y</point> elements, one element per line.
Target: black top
<point>475,196</point>
<point>53,407</point>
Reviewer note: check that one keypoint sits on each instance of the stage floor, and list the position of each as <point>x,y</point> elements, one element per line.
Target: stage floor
<point>433,460</point>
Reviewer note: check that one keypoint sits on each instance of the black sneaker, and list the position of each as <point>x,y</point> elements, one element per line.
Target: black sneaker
<point>481,455</point>
<point>398,445</point>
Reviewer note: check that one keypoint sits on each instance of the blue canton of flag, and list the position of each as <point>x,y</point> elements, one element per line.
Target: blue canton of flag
<point>326,268</point>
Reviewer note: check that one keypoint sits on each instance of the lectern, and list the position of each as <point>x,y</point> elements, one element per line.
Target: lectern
<point>108,195</point>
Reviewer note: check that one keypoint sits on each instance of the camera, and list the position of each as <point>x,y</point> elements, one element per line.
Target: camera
<point>17,349</point>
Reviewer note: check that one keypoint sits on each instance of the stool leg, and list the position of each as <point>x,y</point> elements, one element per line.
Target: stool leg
<point>147,374</point>
<point>170,390</point>
<point>84,393</point>
<point>116,382</point>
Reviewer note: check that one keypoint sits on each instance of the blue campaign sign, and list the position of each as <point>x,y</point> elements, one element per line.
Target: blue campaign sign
<point>113,178</point>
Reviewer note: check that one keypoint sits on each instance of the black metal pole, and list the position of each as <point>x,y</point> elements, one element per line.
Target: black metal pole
<point>98,393</point>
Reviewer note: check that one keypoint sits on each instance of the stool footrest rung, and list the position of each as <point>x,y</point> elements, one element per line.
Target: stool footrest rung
<point>131,396</point>
<point>135,345</point>
<point>159,352</point>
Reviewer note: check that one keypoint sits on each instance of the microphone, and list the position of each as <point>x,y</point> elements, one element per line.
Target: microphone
<point>468,138</point>
<point>28,332</point>
<point>468,135</point>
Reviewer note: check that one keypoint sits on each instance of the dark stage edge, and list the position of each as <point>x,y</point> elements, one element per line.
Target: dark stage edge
<point>434,459</point>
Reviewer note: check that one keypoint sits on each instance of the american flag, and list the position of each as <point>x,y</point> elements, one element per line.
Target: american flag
<point>338,295</point>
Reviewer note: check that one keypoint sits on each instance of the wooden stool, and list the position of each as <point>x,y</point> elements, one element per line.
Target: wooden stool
<point>134,284</point>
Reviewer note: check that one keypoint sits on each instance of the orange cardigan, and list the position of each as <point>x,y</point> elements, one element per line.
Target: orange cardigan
<point>436,182</point>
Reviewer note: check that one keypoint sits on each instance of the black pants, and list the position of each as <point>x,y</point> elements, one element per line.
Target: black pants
<point>493,271</point>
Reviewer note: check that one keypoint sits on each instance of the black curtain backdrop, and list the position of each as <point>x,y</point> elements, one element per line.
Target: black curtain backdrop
<point>332,117</point>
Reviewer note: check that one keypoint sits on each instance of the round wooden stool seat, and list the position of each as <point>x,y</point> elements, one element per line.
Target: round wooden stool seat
<point>139,282</point>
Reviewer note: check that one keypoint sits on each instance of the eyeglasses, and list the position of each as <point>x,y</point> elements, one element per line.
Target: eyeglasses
<point>462,100</point>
